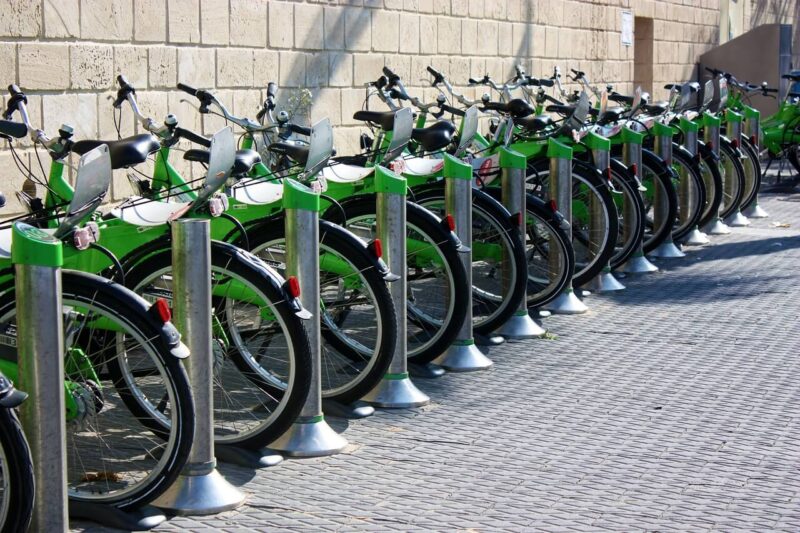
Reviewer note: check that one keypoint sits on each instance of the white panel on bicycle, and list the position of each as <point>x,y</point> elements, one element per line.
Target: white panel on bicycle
<point>142,212</point>
<point>637,98</point>
<point>723,93</point>
<point>421,166</point>
<point>469,128</point>
<point>401,133</point>
<point>91,185</point>
<point>346,173</point>
<point>686,96</point>
<point>578,118</point>
<point>708,93</point>
<point>320,147</point>
<point>222,156</point>
<point>257,192</point>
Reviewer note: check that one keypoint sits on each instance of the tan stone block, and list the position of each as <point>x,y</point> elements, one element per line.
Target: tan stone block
<point>357,29</point>
<point>249,20</point>
<point>459,8</point>
<point>522,39</point>
<point>106,128</point>
<point>265,67</point>
<point>469,37</point>
<point>411,5</point>
<point>333,28</point>
<point>351,101</point>
<point>551,42</point>
<point>61,18</point>
<point>8,58</point>
<point>35,115</point>
<point>409,33</point>
<point>20,18</point>
<point>477,8</point>
<point>91,66</point>
<point>43,66</point>
<point>184,21</point>
<point>441,7</point>
<point>400,64</point>
<point>131,62</point>
<point>449,35</point>
<point>196,67</point>
<point>162,66</point>
<point>385,31</point>
<point>246,103</point>
<point>418,73</point>
<point>150,20</point>
<point>308,27</point>
<point>366,68</point>
<point>346,140</point>
<point>317,69</point>
<point>393,4</point>
<point>106,20</point>
<point>12,181</point>
<point>214,123</point>
<point>327,104</point>
<point>281,24</point>
<point>292,69</point>
<point>460,69</point>
<point>77,110</point>
<point>496,9</point>
<point>428,35</point>
<point>234,67</point>
<point>341,69</point>
<point>214,21</point>
<point>505,39</point>
<point>488,38</point>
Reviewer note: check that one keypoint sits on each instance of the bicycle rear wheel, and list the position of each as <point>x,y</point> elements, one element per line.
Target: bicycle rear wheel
<point>712,179</point>
<point>630,213</point>
<point>115,455</point>
<point>656,176</point>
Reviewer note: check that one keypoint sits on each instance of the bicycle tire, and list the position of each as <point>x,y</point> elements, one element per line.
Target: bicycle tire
<point>656,170</point>
<point>735,172</point>
<point>752,166</point>
<point>16,466</point>
<point>109,300</point>
<point>265,242</point>
<point>258,415</point>
<point>627,242</point>
<point>687,169</point>
<point>487,212</point>
<point>428,336</point>
<point>595,250</point>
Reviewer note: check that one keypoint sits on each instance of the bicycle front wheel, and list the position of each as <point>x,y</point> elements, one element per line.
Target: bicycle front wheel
<point>116,455</point>
<point>16,475</point>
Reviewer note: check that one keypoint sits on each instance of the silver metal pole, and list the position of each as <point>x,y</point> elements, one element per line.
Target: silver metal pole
<point>605,280</point>
<point>462,355</point>
<point>687,198</point>
<point>512,166</point>
<point>663,146</point>
<point>752,128</point>
<point>632,156</point>
<point>41,370</point>
<point>712,125</point>
<point>310,435</point>
<point>395,390</point>
<point>200,489</point>
<point>567,303</point>
<point>734,132</point>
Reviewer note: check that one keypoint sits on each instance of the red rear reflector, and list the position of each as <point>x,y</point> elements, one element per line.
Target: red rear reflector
<point>451,222</point>
<point>520,220</point>
<point>735,143</point>
<point>635,169</point>
<point>608,173</point>
<point>553,206</point>
<point>162,309</point>
<point>377,248</point>
<point>294,286</point>
<point>753,140</point>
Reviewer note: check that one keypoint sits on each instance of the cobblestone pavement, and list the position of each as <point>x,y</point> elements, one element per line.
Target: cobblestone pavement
<point>673,405</point>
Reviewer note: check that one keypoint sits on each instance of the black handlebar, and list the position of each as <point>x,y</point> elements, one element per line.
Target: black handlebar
<point>272,89</point>
<point>437,76</point>
<point>124,90</point>
<point>393,78</point>
<point>192,136</point>
<point>187,89</point>
<point>13,129</point>
<point>17,96</point>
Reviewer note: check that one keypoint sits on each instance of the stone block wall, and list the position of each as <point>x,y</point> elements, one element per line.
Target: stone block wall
<point>66,53</point>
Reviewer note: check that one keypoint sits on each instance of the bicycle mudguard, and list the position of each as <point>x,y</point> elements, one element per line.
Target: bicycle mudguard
<point>723,140</point>
<point>707,153</point>
<point>439,185</point>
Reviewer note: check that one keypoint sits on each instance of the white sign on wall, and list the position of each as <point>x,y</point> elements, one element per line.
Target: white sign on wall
<point>627,28</point>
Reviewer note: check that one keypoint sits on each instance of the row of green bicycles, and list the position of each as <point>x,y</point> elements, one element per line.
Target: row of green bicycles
<point>129,405</point>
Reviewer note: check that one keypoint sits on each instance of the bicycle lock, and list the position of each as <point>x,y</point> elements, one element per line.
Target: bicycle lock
<point>395,390</point>
<point>632,158</point>
<point>462,355</point>
<point>310,435</point>
<point>567,303</point>
<point>512,168</point>
<point>663,147</point>
<point>200,489</point>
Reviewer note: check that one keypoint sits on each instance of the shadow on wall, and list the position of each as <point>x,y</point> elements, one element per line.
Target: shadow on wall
<point>785,11</point>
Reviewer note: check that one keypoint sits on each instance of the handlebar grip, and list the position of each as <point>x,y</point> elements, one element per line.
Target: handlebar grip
<point>473,81</point>
<point>193,137</point>
<point>187,89</point>
<point>302,130</point>
<point>123,82</point>
<point>272,89</point>
<point>14,90</point>
<point>389,74</point>
<point>380,83</point>
<point>434,72</point>
<point>452,110</point>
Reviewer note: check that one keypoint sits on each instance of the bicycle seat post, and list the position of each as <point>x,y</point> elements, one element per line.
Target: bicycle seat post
<point>560,155</point>
<point>462,355</point>
<point>512,168</point>
<point>395,390</point>
<point>663,148</point>
<point>37,258</point>
<point>310,435</point>
<point>605,281</point>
